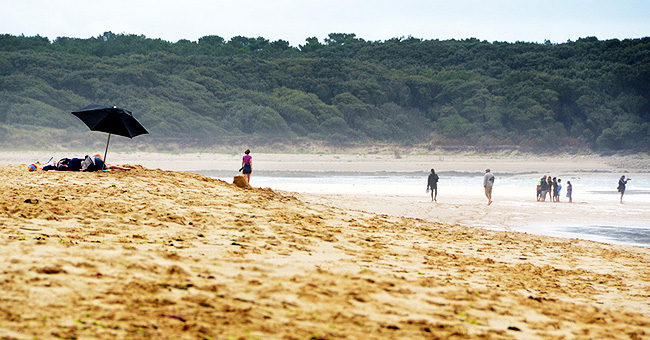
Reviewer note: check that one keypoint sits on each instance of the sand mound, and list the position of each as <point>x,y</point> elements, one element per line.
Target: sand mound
<point>169,255</point>
<point>242,182</point>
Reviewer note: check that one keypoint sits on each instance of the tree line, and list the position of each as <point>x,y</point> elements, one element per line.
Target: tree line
<point>584,94</point>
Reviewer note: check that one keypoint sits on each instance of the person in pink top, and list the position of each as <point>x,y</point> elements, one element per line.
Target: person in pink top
<point>247,165</point>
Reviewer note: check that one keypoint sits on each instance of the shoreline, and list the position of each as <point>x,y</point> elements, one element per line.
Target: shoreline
<point>562,220</point>
<point>512,211</point>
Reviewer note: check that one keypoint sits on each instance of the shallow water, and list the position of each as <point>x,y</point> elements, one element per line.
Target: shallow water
<point>639,236</point>
<point>517,186</point>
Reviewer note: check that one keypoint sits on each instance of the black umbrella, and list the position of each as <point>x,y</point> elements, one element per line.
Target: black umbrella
<point>111,120</point>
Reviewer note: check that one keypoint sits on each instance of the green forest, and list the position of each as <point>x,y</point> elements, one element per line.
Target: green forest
<point>536,97</point>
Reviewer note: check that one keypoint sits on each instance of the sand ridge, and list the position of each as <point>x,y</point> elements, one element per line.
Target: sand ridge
<point>172,255</point>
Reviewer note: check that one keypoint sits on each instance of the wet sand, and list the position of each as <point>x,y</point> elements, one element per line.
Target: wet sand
<point>161,254</point>
<point>513,209</point>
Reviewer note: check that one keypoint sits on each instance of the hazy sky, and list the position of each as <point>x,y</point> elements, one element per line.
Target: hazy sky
<point>296,20</point>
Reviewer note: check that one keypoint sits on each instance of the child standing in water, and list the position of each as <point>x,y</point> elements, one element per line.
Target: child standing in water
<point>569,191</point>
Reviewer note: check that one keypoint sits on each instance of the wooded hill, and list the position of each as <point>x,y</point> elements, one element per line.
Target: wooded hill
<point>529,96</point>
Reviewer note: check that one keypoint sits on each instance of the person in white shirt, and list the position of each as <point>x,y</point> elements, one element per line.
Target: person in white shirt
<point>488,182</point>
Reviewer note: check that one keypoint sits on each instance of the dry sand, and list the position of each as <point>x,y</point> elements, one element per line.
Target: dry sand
<point>170,255</point>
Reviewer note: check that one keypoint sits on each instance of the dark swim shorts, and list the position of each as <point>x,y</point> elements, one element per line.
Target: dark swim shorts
<point>247,169</point>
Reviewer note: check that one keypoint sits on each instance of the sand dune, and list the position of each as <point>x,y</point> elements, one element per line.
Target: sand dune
<point>172,255</point>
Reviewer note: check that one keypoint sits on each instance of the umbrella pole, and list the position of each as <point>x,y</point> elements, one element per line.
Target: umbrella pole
<point>106,151</point>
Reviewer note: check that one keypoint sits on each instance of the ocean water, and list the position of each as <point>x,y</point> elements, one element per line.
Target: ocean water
<point>591,187</point>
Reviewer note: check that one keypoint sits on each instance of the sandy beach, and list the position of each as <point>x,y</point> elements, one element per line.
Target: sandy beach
<point>157,252</point>
<point>513,210</point>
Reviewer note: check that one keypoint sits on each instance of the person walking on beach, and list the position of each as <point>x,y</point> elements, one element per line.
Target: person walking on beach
<point>488,182</point>
<point>432,184</point>
<point>569,191</point>
<point>621,186</point>
<point>247,165</point>
<point>559,189</point>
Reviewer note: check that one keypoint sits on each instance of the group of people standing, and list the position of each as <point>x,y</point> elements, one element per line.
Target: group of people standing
<point>552,187</point>
<point>546,186</point>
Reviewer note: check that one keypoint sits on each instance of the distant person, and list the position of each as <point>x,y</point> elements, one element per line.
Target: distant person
<point>544,187</point>
<point>554,190</point>
<point>569,191</point>
<point>432,184</point>
<point>247,165</point>
<point>621,186</point>
<point>549,189</point>
<point>539,189</point>
<point>488,182</point>
<point>559,189</point>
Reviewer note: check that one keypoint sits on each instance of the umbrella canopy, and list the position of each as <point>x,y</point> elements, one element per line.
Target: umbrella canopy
<point>112,120</point>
